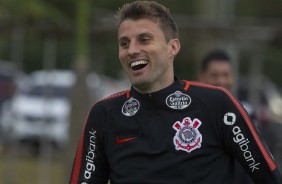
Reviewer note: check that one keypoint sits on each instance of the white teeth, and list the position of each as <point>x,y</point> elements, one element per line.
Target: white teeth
<point>140,62</point>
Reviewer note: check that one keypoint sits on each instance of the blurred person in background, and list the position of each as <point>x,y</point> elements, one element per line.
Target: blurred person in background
<point>216,69</point>
<point>165,130</point>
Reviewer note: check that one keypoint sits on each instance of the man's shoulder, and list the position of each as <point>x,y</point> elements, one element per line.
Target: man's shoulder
<point>204,87</point>
<point>207,91</point>
<point>211,96</point>
<point>113,99</point>
<point>109,103</point>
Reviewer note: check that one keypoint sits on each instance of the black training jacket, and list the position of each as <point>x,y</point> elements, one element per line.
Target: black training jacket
<point>187,133</point>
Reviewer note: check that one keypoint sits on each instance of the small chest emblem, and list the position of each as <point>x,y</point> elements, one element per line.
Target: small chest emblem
<point>130,107</point>
<point>178,100</point>
<point>187,137</point>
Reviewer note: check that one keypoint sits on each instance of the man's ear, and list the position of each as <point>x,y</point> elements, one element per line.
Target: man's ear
<point>174,47</point>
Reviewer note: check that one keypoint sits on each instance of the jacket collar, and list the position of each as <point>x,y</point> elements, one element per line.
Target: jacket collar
<point>159,98</point>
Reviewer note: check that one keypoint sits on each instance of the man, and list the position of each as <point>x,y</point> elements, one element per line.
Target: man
<point>165,130</point>
<point>216,69</point>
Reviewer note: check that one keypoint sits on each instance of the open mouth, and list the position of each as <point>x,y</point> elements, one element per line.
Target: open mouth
<point>137,65</point>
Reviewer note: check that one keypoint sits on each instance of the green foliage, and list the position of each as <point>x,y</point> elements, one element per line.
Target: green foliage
<point>57,18</point>
<point>4,48</point>
<point>272,65</point>
<point>180,6</point>
<point>109,4</point>
<point>247,8</point>
<point>82,28</point>
<point>259,8</point>
<point>19,11</point>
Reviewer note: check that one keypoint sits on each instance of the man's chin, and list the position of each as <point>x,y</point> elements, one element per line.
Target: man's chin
<point>138,82</point>
<point>140,86</point>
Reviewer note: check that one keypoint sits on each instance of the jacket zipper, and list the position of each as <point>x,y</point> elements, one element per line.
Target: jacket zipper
<point>153,125</point>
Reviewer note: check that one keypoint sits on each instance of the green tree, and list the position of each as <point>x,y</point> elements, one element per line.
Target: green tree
<point>32,12</point>
<point>80,98</point>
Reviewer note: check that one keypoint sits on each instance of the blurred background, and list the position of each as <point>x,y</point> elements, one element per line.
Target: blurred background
<point>58,57</point>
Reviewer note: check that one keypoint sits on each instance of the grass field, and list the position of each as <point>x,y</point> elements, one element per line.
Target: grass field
<point>19,168</point>
<point>23,166</point>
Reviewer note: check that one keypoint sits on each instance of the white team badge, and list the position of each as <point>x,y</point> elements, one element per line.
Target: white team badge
<point>130,107</point>
<point>178,100</point>
<point>187,137</point>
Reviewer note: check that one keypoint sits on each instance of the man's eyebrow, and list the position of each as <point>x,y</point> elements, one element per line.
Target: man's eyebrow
<point>145,34</point>
<point>123,38</point>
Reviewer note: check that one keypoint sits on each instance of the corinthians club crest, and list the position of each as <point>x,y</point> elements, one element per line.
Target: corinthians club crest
<point>187,137</point>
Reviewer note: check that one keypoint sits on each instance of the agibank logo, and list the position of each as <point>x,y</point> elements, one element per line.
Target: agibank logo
<point>240,139</point>
<point>90,156</point>
<point>187,137</point>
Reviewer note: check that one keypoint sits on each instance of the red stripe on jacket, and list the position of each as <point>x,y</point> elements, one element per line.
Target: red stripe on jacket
<point>265,153</point>
<point>77,162</point>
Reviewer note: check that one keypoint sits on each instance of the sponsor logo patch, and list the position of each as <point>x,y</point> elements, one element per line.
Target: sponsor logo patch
<point>229,118</point>
<point>187,137</point>
<point>242,142</point>
<point>90,156</point>
<point>178,100</point>
<point>130,107</point>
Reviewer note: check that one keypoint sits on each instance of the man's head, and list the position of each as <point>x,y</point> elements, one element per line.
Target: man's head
<point>148,43</point>
<point>150,10</point>
<point>216,69</point>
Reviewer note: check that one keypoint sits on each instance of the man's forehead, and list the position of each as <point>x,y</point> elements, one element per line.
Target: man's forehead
<point>141,21</point>
<point>130,27</point>
<point>219,63</point>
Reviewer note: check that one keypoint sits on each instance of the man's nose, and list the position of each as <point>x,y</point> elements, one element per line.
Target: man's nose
<point>133,48</point>
<point>222,82</point>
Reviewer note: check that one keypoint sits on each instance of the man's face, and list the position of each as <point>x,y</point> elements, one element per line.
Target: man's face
<point>145,55</point>
<point>218,73</point>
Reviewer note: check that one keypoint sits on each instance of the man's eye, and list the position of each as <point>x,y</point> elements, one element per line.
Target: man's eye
<point>124,44</point>
<point>214,75</point>
<point>145,40</point>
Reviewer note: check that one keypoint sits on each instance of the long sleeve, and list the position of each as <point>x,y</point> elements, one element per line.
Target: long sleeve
<point>90,163</point>
<point>243,141</point>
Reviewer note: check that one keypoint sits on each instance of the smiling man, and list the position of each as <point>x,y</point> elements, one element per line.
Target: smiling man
<point>165,130</point>
<point>146,52</point>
